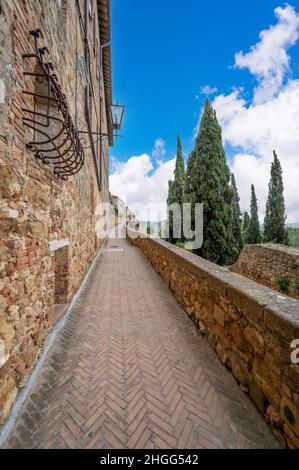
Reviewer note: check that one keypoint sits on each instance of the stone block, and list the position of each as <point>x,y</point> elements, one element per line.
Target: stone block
<point>271,393</point>
<point>7,333</point>
<point>257,396</point>
<point>238,337</point>
<point>219,315</point>
<point>255,339</point>
<point>8,393</point>
<point>261,369</point>
<point>222,353</point>
<point>239,368</point>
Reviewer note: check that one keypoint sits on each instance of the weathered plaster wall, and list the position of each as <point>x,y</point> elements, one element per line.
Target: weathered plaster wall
<point>267,263</point>
<point>37,211</point>
<point>249,326</point>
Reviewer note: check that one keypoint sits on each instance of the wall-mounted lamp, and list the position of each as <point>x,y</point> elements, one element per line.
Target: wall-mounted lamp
<point>116,115</point>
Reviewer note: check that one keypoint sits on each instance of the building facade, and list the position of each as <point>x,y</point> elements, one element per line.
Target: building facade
<point>55,98</point>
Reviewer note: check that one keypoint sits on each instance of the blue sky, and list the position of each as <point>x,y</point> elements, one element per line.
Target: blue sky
<point>165,51</point>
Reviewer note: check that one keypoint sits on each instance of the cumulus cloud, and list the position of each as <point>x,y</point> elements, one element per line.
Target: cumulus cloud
<point>207,90</point>
<point>268,60</point>
<point>270,121</point>
<point>159,149</point>
<point>143,187</point>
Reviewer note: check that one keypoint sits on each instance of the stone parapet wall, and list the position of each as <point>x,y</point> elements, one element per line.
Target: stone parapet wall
<point>250,327</point>
<point>267,264</point>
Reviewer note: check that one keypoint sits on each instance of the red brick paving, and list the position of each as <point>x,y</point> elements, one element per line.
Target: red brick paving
<point>130,370</point>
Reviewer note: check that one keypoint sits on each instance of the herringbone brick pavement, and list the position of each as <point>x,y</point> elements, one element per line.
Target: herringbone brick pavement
<point>130,370</point>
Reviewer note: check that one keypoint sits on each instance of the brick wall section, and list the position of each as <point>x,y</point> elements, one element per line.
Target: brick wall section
<point>266,263</point>
<point>36,208</point>
<point>249,326</point>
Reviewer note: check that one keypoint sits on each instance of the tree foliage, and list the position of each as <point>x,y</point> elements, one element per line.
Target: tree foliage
<point>176,191</point>
<point>236,217</point>
<point>274,222</point>
<point>254,232</point>
<point>245,226</point>
<point>212,187</point>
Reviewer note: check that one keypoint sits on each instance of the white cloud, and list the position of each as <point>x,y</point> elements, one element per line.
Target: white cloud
<point>159,149</point>
<point>252,129</point>
<point>143,188</point>
<point>268,60</point>
<point>271,121</point>
<point>207,90</point>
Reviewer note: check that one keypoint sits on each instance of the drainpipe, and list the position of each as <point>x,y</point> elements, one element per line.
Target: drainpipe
<point>107,44</point>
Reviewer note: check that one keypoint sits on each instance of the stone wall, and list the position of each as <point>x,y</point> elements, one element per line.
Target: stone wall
<point>272,266</point>
<point>40,214</point>
<point>249,326</point>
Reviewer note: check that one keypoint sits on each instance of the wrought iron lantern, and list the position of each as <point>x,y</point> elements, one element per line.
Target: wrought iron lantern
<point>117,114</point>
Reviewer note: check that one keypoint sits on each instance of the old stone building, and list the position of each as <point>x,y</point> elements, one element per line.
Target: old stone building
<point>55,98</point>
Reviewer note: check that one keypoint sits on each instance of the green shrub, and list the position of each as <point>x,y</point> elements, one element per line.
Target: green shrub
<point>283,283</point>
<point>296,284</point>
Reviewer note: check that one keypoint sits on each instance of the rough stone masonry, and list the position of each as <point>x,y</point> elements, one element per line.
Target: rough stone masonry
<point>47,226</point>
<point>270,265</point>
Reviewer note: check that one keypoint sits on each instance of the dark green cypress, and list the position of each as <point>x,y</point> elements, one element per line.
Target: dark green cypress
<point>212,188</point>
<point>236,218</point>
<point>179,175</point>
<point>274,222</point>
<point>176,190</point>
<point>189,179</point>
<point>169,215</point>
<point>245,226</point>
<point>254,233</point>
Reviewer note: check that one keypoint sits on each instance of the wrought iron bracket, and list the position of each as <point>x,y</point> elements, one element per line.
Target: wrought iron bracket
<point>100,137</point>
<point>56,140</point>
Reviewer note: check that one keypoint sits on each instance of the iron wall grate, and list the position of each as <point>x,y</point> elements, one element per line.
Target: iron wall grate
<point>56,140</point>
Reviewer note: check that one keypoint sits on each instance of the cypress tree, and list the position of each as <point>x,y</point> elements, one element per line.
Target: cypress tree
<point>169,215</point>
<point>176,190</point>
<point>245,226</point>
<point>236,218</point>
<point>274,222</point>
<point>179,175</point>
<point>190,185</point>
<point>212,188</point>
<point>189,179</point>
<point>253,233</point>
